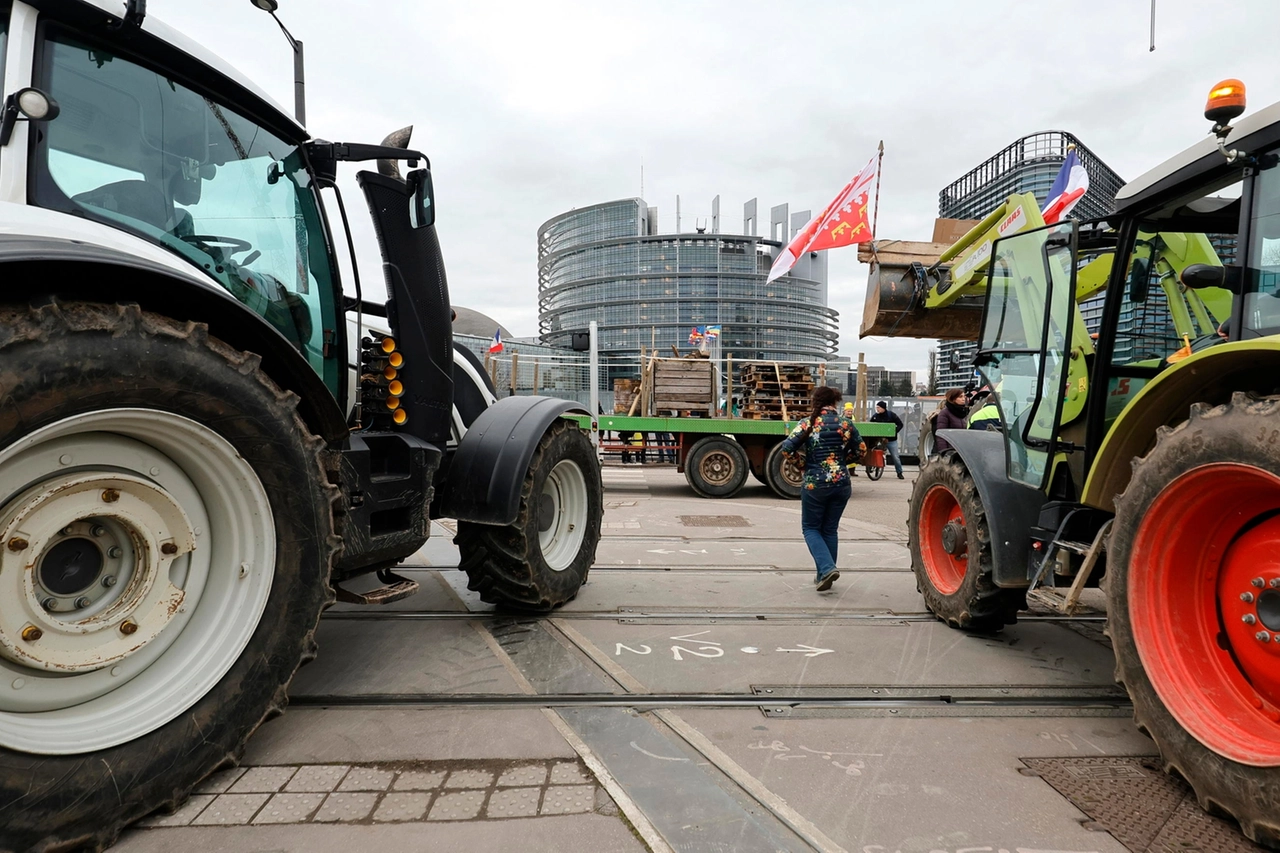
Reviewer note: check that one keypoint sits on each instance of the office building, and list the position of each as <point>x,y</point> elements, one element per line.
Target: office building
<point>609,263</point>
<point>1029,164</point>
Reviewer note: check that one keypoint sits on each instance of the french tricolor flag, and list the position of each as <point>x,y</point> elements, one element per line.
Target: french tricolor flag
<point>1068,188</point>
<point>496,344</point>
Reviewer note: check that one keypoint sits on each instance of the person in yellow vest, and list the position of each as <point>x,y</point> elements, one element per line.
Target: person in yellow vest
<point>637,442</point>
<point>848,413</point>
<point>987,416</point>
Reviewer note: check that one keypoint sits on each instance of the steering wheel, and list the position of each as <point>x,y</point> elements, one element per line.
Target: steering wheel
<point>213,245</point>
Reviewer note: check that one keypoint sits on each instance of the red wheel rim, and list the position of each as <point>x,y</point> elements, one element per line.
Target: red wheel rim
<point>946,571</point>
<point>1204,605</point>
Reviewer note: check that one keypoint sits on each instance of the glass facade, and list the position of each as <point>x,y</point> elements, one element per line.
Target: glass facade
<point>1029,164</point>
<point>600,263</point>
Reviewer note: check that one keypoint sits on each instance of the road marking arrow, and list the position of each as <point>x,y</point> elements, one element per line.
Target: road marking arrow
<point>809,651</point>
<point>660,551</point>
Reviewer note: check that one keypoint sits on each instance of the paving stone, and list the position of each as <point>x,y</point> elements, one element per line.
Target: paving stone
<point>219,782</point>
<point>231,810</point>
<point>469,779</point>
<point>524,775</point>
<point>401,807</point>
<point>514,802</point>
<point>289,808</point>
<point>262,780</point>
<point>345,808</point>
<point>419,780</point>
<point>569,773</point>
<point>457,805</point>
<point>182,816</point>
<point>317,778</point>
<point>367,779</point>
<point>569,799</point>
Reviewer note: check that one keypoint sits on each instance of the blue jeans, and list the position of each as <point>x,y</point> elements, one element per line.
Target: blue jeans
<point>893,454</point>
<point>820,511</point>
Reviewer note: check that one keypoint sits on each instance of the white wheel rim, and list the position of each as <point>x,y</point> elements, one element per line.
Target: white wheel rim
<point>562,515</point>
<point>196,542</point>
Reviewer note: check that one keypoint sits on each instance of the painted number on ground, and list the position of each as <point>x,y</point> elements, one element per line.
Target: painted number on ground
<point>699,646</point>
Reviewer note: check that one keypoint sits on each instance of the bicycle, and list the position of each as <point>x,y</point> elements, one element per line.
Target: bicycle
<point>874,461</point>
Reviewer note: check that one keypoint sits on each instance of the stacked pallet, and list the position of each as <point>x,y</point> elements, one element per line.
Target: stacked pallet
<point>683,384</point>
<point>624,391</point>
<point>773,392</point>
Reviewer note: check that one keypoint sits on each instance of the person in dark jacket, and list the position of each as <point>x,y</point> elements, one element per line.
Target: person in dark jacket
<point>884,416</point>
<point>951,416</point>
<point>825,444</point>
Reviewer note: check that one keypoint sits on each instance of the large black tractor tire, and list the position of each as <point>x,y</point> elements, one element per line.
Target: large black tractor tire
<point>717,467</point>
<point>1193,589</point>
<point>951,550</point>
<point>541,560</point>
<point>783,475</point>
<point>107,377</point>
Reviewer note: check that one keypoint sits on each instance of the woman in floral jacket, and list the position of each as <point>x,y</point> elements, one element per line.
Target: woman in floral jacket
<point>825,444</point>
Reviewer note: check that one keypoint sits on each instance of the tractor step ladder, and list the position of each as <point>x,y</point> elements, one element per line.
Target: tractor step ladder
<point>1069,603</point>
<point>396,588</point>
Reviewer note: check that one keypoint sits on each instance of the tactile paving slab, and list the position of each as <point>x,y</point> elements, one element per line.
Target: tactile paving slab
<point>399,793</point>
<point>1145,809</point>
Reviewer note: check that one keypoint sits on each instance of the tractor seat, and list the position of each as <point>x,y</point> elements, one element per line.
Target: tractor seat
<point>135,199</point>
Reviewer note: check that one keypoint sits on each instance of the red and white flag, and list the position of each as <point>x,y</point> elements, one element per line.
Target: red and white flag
<point>496,344</point>
<point>843,222</point>
<point>1068,188</point>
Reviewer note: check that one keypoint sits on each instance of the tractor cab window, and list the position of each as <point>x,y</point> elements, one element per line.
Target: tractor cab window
<point>1026,335</point>
<point>1262,279</point>
<point>143,153</point>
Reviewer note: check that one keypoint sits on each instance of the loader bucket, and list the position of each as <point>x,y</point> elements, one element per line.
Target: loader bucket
<point>895,308</point>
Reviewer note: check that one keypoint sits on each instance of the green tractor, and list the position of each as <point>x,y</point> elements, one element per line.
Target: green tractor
<point>1144,456</point>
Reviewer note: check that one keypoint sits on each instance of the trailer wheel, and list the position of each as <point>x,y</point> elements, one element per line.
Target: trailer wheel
<point>1194,606</point>
<point>785,477</point>
<point>717,467</point>
<point>540,561</point>
<point>951,550</point>
<point>169,529</point>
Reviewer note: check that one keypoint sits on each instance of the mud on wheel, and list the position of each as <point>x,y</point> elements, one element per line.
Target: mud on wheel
<point>168,530</point>
<point>540,561</point>
<point>1194,606</point>
<point>951,550</point>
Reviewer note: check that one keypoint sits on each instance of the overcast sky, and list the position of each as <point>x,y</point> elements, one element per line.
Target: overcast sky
<point>528,109</point>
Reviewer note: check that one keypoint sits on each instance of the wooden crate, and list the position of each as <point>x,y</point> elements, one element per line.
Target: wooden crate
<point>683,384</point>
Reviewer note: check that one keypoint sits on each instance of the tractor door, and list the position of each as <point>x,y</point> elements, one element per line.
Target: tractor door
<point>1025,341</point>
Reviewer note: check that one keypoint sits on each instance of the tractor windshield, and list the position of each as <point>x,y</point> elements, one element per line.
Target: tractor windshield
<point>140,151</point>
<point>1026,334</point>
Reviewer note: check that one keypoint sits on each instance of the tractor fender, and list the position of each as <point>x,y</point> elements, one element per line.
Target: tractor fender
<point>34,268</point>
<point>1012,508</point>
<point>489,466</point>
<point>1209,376</point>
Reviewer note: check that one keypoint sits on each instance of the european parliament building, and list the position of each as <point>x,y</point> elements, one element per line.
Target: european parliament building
<point>1029,164</point>
<point>608,263</point>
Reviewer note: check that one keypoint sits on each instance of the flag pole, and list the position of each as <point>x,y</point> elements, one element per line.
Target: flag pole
<point>875,214</point>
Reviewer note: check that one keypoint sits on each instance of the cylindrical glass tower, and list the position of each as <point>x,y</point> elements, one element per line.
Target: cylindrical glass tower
<point>602,263</point>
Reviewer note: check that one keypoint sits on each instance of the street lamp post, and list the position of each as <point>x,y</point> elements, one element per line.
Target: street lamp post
<point>299,79</point>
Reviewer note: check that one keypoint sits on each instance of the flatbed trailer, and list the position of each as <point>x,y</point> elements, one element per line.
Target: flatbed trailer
<point>716,454</point>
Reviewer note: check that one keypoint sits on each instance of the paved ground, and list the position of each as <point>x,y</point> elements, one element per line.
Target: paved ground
<point>698,695</point>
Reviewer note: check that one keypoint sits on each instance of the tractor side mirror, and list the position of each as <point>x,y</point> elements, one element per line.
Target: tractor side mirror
<point>955,361</point>
<point>422,199</point>
<point>1139,279</point>
<point>1199,276</point>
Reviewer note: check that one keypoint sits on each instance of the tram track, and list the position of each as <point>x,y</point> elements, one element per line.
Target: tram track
<point>664,616</point>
